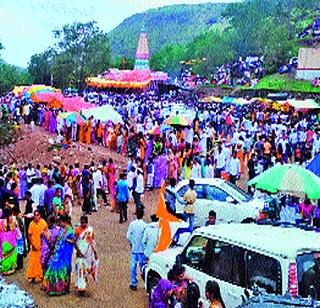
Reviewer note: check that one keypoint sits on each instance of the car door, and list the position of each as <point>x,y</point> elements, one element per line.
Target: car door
<point>227,267</point>
<point>194,258</point>
<point>206,259</point>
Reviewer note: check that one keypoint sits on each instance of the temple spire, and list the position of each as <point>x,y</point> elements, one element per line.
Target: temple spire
<point>142,54</point>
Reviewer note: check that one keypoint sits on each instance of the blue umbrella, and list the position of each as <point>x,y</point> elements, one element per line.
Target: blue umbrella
<point>314,165</point>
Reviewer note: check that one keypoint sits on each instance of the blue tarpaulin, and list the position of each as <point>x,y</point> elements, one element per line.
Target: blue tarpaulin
<point>314,165</point>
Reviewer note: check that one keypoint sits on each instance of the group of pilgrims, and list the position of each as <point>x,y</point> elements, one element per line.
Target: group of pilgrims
<point>43,231</point>
<point>220,140</point>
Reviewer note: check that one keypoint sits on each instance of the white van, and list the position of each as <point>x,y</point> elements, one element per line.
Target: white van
<point>240,256</point>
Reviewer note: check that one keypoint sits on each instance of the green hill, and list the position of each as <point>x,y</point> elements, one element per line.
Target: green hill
<point>176,24</point>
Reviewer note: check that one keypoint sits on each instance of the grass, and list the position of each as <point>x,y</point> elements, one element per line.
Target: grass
<point>279,82</point>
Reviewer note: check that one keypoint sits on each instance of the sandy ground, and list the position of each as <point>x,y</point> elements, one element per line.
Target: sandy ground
<point>112,289</point>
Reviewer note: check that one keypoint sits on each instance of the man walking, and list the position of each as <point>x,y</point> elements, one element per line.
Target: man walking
<point>135,235</point>
<point>138,189</point>
<point>122,197</point>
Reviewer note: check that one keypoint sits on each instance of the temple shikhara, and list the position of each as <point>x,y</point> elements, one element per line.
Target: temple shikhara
<point>141,77</point>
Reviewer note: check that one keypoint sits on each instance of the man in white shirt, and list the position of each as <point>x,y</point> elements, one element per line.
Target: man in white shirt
<point>151,236</point>
<point>234,168</point>
<point>37,195</point>
<point>97,185</point>
<point>30,175</point>
<point>138,189</point>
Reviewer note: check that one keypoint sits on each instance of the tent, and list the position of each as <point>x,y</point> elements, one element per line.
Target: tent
<point>104,114</point>
<point>304,104</point>
<point>314,165</point>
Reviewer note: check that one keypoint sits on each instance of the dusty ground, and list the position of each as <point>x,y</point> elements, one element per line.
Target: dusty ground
<point>112,289</point>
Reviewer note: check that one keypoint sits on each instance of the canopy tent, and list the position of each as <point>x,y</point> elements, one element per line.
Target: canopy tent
<point>104,114</point>
<point>53,99</point>
<point>304,104</point>
<point>75,104</point>
<point>210,99</point>
<point>314,165</point>
<point>115,78</point>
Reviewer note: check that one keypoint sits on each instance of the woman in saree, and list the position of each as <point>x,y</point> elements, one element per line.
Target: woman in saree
<point>36,228</point>
<point>112,177</point>
<point>9,233</point>
<point>87,257</point>
<point>89,130</point>
<point>48,241</point>
<point>57,277</point>
<point>23,183</point>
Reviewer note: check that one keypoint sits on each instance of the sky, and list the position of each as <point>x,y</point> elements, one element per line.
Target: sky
<point>26,25</point>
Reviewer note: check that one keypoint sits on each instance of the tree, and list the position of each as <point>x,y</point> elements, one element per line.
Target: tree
<point>86,46</point>
<point>11,75</point>
<point>123,63</point>
<point>40,66</point>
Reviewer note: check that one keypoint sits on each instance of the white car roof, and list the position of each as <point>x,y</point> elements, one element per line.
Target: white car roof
<point>281,241</point>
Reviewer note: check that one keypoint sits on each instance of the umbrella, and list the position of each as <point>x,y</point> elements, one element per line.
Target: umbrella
<point>178,120</point>
<point>73,117</point>
<point>104,114</point>
<point>314,165</point>
<point>288,178</point>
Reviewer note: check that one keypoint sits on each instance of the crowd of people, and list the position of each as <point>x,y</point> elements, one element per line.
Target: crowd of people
<point>44,229</point>
<point>246,71</point>
<point>220,140</point>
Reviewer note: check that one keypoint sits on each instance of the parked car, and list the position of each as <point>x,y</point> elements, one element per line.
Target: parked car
<point>242,257</point>
<point>231,203</point>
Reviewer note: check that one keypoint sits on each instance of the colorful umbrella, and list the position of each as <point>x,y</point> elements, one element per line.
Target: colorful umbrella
<point>73,117</point>
<point>288,178</point>
<point>178,120</point>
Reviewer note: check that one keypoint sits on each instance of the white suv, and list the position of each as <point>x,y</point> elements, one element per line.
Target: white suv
<point>240,256</point>
<point>229,202</point>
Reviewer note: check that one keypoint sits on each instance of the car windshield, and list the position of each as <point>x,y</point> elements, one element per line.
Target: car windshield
<point>308,270</point>
<point>236,192</point>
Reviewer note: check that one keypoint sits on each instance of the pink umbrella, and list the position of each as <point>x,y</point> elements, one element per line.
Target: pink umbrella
<point>75,104</point>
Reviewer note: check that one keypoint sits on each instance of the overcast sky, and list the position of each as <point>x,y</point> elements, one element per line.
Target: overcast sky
<point>26,25</point>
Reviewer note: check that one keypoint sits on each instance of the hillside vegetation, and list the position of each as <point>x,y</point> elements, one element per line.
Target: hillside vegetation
<point>252,27</point>
<point>176,24</point>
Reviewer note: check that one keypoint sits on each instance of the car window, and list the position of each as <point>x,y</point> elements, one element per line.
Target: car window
<point>214,193</point>
<point>236,191</point>
<point>200,191</point>
<point>194,254</point>
<point>198,188</point>
<point>265,272</point>
<point>228,263</point>
<point>307,273</point>
<point>182,191</point>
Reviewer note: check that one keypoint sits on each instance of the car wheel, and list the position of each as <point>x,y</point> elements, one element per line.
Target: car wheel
<point>153,282</point>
